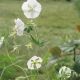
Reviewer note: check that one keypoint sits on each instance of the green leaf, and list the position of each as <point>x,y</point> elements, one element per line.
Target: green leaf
<point>76,42</point>
<point>70,45</point>
<point>67,49</point>
<point>37,41</point>
<point>28,29</point>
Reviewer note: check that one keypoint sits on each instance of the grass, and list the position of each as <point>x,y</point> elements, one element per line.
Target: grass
<point>57,19</point>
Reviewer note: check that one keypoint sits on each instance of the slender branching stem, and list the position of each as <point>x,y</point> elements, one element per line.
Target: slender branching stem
<point>74,58</point>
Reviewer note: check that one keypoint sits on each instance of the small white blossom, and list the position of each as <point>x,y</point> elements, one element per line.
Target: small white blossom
<point>34,63</point>
<point>65,72</point>
<point>29,45</point>
<point>19,27</point>
<point>31,9</point>
<point>1,41</point>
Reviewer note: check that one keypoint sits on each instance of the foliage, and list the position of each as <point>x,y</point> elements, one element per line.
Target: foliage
<point>52,26</point>
<point>77,4</point>
<point>66,61</point>
<point>71,45</point>
<point>76,65</point>
<point>9,72</point>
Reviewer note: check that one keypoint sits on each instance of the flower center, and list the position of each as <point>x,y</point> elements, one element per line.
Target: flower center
<point>31,8</point>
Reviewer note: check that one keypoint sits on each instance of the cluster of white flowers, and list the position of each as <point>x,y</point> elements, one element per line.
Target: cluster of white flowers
<point>34,63</point>
<point>65,72</point>
<point>31,9</point>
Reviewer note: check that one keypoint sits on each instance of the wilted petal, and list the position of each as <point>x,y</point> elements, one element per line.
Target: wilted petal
<point>19,23</point>
<point>19,27</point>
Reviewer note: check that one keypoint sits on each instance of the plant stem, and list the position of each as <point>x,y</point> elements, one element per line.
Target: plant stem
<point>8,67</point>
<point>74,58</point>
<point>26,76</point>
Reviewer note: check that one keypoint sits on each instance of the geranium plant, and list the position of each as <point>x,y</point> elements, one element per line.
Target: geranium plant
<point>31,10</point>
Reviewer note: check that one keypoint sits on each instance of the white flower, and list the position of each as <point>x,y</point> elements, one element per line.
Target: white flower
<point>65,72</point>
<point>31,8</point>
<point>19,27</point>
<point>1,41</point>
<point>34,63</point>
<point>29,45</point>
